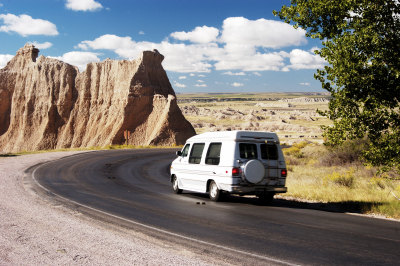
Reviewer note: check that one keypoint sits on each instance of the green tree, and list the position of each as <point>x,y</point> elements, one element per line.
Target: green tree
<point>362,46</point>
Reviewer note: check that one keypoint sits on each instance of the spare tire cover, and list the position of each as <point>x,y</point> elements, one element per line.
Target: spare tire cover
<point>254,171</point>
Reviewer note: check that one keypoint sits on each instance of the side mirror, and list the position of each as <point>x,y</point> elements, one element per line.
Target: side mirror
<point>179,153</point>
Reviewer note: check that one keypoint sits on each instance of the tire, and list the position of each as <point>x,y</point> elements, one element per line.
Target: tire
<point>266,199</point>
<point>175,186</point>
<point>214,193</point>
<point>254,171</point>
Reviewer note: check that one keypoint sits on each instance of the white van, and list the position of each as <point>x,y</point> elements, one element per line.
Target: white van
<point>231,162</point>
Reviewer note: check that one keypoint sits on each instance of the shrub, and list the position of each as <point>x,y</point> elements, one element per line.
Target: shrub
<point>293,151</point>
<point>348,153</point>
<point>375,181</point>
<point>292,160</point>
<point>346,180</point>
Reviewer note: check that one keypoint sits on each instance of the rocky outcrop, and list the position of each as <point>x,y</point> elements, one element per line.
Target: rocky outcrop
<point>47,104</point>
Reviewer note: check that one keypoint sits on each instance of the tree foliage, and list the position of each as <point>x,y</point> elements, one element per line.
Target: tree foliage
<point>361,43</point>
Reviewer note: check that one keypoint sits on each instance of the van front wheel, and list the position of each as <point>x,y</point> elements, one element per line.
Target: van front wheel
<point>214,192</point>
<point>175,186</point>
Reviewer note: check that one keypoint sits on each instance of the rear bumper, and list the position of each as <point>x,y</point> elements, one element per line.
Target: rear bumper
<point>254,190</point>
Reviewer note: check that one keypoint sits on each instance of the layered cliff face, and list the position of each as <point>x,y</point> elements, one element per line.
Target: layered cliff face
<point>47,104</point>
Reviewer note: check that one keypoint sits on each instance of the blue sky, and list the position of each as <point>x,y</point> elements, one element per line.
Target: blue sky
<point>209,46</point>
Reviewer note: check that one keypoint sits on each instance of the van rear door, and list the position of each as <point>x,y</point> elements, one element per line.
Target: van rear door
<point>270,156</point>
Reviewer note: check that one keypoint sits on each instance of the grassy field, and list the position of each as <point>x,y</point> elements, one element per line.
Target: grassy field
<point>337,176</point>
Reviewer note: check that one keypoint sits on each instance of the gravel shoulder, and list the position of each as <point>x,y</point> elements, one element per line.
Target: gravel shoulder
<point>35,231</point>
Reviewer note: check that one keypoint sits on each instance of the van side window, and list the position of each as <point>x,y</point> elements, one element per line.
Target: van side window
<point>269,152</point>
<point>213,153</point>
<point>185,150</point>
<point>248,151</point>
<point>196,153</point>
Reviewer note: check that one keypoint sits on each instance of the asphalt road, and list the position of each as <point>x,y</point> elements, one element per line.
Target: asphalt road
<point>131,188</point>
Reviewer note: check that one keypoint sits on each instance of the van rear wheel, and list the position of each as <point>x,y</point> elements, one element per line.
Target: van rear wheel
<point>214,193</point>
<point>175,186</point>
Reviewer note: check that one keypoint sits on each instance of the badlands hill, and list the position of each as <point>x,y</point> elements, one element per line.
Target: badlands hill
<point>47,104</point>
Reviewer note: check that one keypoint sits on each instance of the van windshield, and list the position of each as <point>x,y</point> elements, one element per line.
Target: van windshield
<point>185,150</point>
<point>248,151</point>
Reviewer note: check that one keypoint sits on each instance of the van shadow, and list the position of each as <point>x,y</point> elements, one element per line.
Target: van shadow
<point>356,207</point>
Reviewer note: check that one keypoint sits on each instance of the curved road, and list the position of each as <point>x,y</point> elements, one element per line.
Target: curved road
<point>131,188</point>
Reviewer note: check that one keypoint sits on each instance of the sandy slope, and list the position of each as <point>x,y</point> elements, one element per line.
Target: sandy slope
<point>35,232</point>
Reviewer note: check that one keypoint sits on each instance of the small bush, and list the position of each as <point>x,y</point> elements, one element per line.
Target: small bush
<point>377,182</point>
<point>348,153</point>
<point>301,145</point>
<point>293,151</point>
<point>346,180</point>
<point>292,160</point>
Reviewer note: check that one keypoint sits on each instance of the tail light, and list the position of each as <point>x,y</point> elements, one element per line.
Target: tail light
<point>235,171</point>
<point>283,173</point>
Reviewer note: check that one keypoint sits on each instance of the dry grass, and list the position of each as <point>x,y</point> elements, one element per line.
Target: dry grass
<point>349,184</point>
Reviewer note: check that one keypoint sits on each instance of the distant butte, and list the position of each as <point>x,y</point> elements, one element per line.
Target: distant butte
<point>47,104</point>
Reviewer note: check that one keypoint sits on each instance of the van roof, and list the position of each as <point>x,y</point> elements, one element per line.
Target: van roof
<point>239,135</point>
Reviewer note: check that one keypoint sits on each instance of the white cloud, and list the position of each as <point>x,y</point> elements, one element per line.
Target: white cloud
<point>108,9</point>
<point>235,84</point>
<point>234,74</point>
<point>1,5</point>
<point>141,32</point>
<point>304,60</point>
<point>83,5</point>
<point>257,74</point>
<point>180,85</point>
<point>178,57</point>
<point>26,25</point>
<point>200,85</point>
<point>219,82</point>
<point>230,53</point>
<point>306,84</point>
<point>79,59</point>
<point>313,49</point>
<point>182,77</point>
<point>200,80</point>
<point>44,45</point>
<point>4,58</point>
<point>261,32</point>
<point>198,35</point>
<point>201,76</point>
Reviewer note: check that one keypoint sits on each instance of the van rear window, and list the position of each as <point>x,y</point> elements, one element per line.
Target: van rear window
<point>196,153</point>
<point>269,152</point>
<point>248,151</point>
<point>213,153</point>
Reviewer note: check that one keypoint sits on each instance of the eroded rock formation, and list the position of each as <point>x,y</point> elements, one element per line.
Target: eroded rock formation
<point>47,104</point>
